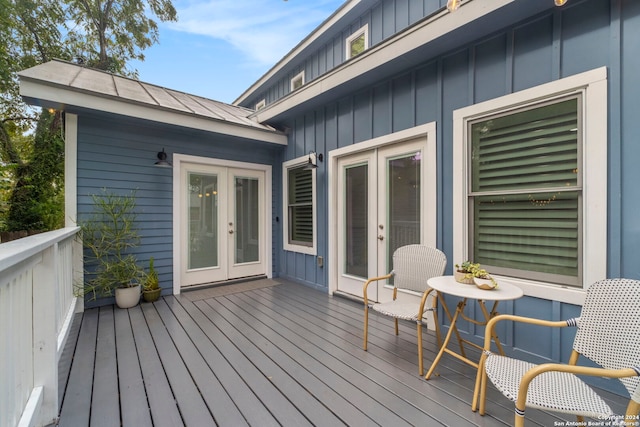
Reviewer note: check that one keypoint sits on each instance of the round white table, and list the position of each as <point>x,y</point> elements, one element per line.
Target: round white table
<point>448,285</point>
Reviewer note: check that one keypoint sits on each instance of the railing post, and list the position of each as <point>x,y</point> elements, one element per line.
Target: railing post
<point>45,345</point>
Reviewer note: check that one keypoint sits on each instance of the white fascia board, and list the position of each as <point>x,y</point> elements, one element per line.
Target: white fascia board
<point>326,25</point>
<point>404,42</point>
<point>63,96</point>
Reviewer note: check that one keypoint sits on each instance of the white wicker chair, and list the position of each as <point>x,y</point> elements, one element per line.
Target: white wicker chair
<point>608,334</point>
<point>412,266</point>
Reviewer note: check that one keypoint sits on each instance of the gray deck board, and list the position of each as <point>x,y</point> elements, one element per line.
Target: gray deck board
<point>134,404</point>
<point>193,409</point>
<point>164,410</point>
<point>76,405</point>
<point>105,382</point>
<point>266,356</point>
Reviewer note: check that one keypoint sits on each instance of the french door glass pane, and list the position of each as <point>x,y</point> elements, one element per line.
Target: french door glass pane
<point>403,203</point>
<point>247,225</point>
<point>203,220</point>
<point>356,220</point>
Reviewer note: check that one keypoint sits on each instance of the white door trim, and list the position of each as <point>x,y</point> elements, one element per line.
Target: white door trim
<point>428,131</point>
<point>178,229</point>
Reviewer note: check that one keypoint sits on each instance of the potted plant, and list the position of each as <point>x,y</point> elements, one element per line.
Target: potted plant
<point>151,285</point>
<point>464,272</point>
<point>483,279</point>
<point>109,235</point>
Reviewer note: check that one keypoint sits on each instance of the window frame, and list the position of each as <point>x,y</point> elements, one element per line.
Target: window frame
<point>362,31</point>
<point>299,76</point>
<point>592,86</point>
<point>287,245</point>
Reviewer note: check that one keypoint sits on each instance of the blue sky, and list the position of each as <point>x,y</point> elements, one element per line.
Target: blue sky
<point>218,48</point>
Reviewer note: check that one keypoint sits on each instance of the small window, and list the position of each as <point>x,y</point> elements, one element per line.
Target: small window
<point>299,206</point>
<point>358,42</point>
<point>297,81</point>
<point>260,105</point>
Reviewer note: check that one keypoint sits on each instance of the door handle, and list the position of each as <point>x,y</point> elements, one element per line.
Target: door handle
<point>380,237</point>
<point>230,231</point>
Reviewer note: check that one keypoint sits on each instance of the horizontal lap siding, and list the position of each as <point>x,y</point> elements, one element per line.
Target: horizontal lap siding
<point>119,154</point>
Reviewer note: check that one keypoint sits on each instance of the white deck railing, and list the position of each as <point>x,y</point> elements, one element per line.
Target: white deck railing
<point>37,304</point>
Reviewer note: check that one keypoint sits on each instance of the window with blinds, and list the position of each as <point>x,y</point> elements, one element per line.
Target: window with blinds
<point>525,192</point>
<point>300,206</point>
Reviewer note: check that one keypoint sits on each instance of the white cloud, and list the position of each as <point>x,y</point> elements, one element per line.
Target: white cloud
<point>263,30</point>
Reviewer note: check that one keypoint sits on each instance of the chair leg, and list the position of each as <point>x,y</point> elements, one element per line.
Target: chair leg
<point>434,310</point>
<point>478,395</point>
<point>366,327</point>
<point>420,362</point>
<point>395,319</point>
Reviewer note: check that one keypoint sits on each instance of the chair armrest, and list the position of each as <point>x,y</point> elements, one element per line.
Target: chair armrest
<point>423,301</point>
<point>521,319</point>
<point>366,285</point>
<point>573,369</point>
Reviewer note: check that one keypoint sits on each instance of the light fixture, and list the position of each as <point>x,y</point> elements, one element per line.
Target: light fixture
<point>162,160</point>
<point>313,160</point>
<point>453,5</point>
<point>559,2</point>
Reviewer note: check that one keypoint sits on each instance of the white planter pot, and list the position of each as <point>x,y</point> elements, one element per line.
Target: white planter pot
<point>128,297</point>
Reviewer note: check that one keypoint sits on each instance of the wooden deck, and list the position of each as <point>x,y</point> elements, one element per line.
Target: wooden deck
<point>270,355</point>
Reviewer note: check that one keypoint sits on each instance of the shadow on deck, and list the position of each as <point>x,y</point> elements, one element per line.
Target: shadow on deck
<point>271,354</point>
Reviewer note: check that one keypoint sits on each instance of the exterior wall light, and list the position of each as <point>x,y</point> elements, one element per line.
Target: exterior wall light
<point>162,160</point>
<point>313,160</point>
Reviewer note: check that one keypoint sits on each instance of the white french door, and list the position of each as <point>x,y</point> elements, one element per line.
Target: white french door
<point>380,207</point>
<point>224,223</point>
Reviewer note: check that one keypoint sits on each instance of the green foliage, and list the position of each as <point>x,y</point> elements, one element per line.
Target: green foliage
<point>37,200</point>
<point>105,34</point>
<point>109,33</point>
<point>108,237</point>
<point>151,281</point>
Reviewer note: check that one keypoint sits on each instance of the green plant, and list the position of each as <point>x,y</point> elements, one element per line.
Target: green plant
<point>467,268</point>
<point>108,236</point>
<point>151,281</point>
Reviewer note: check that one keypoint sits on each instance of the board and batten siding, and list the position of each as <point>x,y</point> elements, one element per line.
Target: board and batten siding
<point>581,36</point>
<point>118,153</point>
<point>384,19</point>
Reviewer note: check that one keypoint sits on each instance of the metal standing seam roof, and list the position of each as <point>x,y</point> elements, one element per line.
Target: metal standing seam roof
<point>103,84</point>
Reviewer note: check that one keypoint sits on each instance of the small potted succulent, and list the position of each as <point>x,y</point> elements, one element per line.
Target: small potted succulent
<point>151,284</point>
<point>483,279</point>
<point>464,272</point>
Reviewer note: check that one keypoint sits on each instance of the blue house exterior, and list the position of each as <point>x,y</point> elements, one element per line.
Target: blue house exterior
<point>384,99</point>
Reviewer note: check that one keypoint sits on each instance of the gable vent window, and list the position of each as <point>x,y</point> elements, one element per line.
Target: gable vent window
<point>358,42</point>
<point>297,81</point>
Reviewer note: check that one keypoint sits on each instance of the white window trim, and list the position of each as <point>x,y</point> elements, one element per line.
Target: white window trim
<point>309,250</point>
<point>299,76</point>
<point>364,30</point>
<point>593,85</point>
<point>261,104</point>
